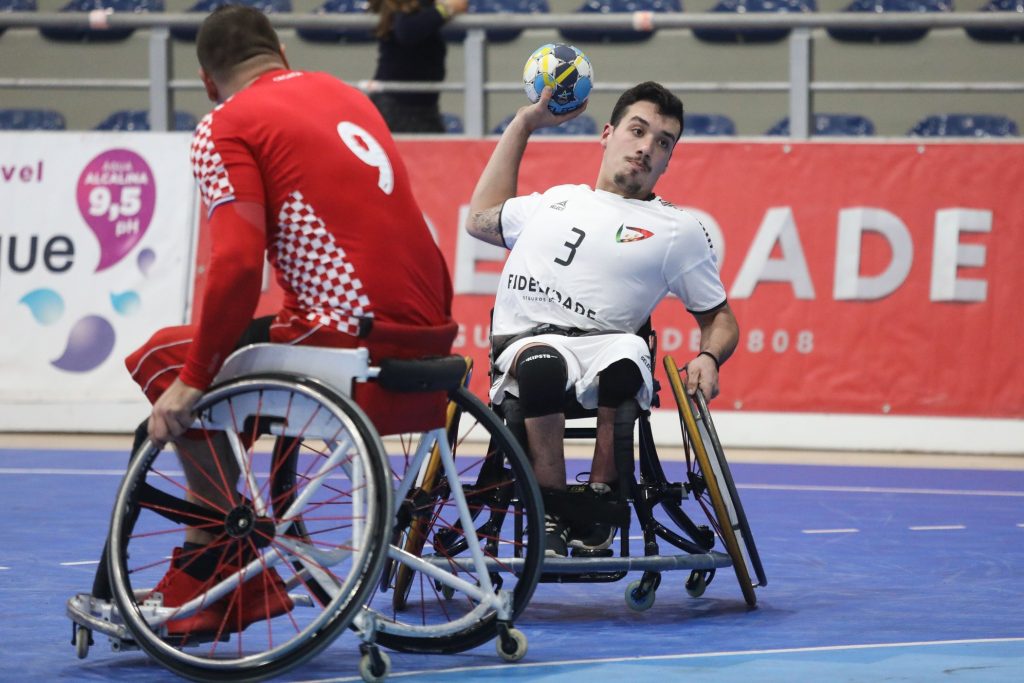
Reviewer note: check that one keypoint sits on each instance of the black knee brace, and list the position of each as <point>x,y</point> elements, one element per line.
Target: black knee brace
<point>541,373</point>
<point>618,382</point>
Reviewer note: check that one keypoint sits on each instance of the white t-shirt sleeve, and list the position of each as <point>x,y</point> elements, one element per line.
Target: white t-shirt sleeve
<point>515,214</point>
<point>691,268</point>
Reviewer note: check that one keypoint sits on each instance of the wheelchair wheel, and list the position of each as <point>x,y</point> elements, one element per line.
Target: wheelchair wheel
<point>713,487</point>
<point>426,614</point>
<point>296,513</point>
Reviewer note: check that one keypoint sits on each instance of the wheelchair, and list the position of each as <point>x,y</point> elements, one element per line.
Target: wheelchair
<point>712,530</point>
<point>317,514</point>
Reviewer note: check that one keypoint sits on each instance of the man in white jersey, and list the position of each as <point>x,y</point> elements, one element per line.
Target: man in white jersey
<point>586,269</point>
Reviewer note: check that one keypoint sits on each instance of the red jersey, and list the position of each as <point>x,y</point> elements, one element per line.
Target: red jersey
<point>343,232</point>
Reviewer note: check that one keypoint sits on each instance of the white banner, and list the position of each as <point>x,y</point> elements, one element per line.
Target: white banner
<point>96,234</point>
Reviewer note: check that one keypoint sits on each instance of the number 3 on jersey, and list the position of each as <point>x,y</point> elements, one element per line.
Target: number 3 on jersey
<point>572,248</point>
<point>368,150</point>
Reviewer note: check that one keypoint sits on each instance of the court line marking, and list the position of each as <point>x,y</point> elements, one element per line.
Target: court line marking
<point>938,527</point>
<point>881,489</point>
<point>763,487</point>
<point>78,563</point>
<point>830,531</point>
<point>694,655</point>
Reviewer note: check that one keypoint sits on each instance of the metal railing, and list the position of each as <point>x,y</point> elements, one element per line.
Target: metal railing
<point>475,86</point>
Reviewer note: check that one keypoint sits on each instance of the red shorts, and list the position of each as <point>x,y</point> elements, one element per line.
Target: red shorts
<point>156,364</point>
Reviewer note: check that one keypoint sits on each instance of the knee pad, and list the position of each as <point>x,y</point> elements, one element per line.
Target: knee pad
<point>541,373</point>
<point>618,382</point>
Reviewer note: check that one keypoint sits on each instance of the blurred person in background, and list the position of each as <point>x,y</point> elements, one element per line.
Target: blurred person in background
<point>411,48</point>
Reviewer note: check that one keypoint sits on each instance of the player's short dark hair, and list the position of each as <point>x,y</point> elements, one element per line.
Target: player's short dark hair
<point>232,34</point>
<point>668,104</point>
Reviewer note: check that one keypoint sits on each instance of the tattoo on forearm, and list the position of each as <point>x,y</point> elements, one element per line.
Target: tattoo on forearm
<point>487,225</point>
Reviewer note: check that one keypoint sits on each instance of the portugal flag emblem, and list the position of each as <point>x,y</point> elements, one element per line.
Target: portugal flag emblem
<point>627,233</point>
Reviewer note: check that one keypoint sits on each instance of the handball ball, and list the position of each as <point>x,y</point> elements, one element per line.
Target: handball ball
<point>565,69</point>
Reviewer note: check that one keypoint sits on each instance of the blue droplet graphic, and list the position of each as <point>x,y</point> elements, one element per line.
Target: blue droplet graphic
<point>126,303</point>
<point>90,342</point>
<point>46,305</point>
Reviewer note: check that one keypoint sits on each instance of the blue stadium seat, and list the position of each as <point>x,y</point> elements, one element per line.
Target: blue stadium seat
<point>768,35</point>
<point>589,35</point>
<point>452,123</point>
<point>138,119</point>
<point>498,35</point>
<point>581,125</point>
<point>1000,35</point>
<point>339,35</point>
<point>207,6</point>
<point>708,124</point>
<point>31,119</point>
<point>888,35</point>
<point>965,126</point>
<point>100,35</point>
<point>839,125</point>
<point>16,6</point>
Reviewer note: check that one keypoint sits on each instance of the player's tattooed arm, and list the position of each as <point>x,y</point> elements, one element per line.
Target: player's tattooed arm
<point>486,225</point>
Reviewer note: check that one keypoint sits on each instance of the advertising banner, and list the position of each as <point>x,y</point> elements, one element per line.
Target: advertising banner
<point>95,255</point>
<point>867,278</point>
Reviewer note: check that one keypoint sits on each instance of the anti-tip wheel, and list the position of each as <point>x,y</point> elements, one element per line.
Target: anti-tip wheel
<point>371,673</point>
<point>513,646</point>
<point>696,584</point>
<point>82,642</point>
<point>638,600</point>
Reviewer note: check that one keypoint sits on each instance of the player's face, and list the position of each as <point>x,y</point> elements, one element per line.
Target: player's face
<point>637,151</point>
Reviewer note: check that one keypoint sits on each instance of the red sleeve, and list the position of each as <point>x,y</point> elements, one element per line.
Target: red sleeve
<point>232,290</point>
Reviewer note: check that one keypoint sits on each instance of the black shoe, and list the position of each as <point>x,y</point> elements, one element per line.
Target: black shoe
<point>555,537</point>
<point>594,535</point>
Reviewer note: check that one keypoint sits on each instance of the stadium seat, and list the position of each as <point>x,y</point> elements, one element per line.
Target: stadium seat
<point>999,35</point>
<point>592,35</point>
<point>452,123</point>
<point>888,35</point>
<point>339,35</point>
<point>581,125</point>
<point>708,124</point>
<point>138,119</point>
<point>965,126</point>
<point>207,6</point>
<point>839,125</point>
<point>31,119</point>
<point>16,6</point>
<point>454,35</point>
<point>722,35</point>
<point>70,34</point>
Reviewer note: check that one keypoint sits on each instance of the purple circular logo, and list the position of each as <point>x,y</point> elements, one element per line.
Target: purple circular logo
<point>117,195</point>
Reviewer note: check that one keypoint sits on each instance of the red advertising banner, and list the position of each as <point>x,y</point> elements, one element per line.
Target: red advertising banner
<point>867,278</point>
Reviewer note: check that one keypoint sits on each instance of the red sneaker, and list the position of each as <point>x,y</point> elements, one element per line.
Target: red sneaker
<point>262,597</point>
<point>178,587</point>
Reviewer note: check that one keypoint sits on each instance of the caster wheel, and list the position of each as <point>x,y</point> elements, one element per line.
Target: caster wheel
<point>371,673</point>
<point>447,591</point>
<point>513,646</point>
<point>696,584</point>
<point>82,642</point>
<point>638,600</point>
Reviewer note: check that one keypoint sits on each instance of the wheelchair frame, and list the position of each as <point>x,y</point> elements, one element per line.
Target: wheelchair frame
<point>709,483</point>
<point>251,381</point>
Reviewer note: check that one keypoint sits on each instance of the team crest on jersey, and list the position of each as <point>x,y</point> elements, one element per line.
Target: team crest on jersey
<point>628,233</point>
<point>558,206</point>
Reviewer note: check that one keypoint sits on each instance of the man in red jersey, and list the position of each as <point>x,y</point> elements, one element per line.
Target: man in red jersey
<point>299,166</point>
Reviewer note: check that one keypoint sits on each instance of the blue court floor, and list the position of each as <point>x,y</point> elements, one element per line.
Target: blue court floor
<point>894,574</point>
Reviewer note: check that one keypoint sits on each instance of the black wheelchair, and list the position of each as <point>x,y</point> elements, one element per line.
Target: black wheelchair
<point>723,539</point>
<point>333,512</point>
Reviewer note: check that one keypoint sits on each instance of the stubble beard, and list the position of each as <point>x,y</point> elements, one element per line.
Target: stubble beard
<point>628,184</point>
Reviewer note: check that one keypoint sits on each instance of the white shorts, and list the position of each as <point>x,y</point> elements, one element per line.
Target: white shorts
<point>585,357</point>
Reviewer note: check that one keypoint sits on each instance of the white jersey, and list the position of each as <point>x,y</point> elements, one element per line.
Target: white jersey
<point>593,260</point>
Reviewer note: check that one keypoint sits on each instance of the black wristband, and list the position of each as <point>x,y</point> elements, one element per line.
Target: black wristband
<point>712,357</point>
